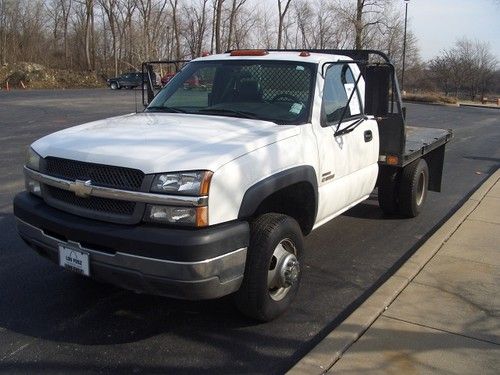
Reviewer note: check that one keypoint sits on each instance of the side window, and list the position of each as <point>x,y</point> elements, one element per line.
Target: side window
<point>339,84</point>
<point>196,90</point>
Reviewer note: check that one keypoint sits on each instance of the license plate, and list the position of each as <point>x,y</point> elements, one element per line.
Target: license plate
<point>74,260</point>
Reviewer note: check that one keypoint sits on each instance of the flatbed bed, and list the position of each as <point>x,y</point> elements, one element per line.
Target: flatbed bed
<point>421,141</point>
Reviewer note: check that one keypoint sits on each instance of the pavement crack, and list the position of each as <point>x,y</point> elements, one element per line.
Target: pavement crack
<point>483,221</point>
<point>442,330</point>
<point>21,348</point>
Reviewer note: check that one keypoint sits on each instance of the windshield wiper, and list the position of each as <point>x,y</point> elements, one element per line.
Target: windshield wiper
<point>222,111</point>
<point>166,109</point>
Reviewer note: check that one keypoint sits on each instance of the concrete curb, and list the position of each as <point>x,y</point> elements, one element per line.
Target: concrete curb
<point>321,358</point>
<point>488,106</point>
<point>456,105</point>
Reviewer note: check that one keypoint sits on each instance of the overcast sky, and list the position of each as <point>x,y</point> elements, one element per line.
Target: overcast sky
<point>438,23</point>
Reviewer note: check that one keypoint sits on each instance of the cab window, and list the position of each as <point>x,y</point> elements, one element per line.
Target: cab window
<point>277,91</point>
<point>339,84</point>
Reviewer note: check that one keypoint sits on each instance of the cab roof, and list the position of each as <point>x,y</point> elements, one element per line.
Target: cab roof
<point>316,58</point>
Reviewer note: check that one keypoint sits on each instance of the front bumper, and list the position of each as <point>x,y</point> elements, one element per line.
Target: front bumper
<point>181,263</point>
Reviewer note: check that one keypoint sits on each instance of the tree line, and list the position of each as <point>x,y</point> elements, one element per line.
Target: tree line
<point>468,69</point>
<point>111,36</point>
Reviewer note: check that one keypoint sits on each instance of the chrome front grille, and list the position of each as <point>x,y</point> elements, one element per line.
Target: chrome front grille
<point>99,174</point>
<point>106,209</point>
<point>104,205</point>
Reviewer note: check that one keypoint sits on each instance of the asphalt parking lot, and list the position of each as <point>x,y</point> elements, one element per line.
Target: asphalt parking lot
<point>52,321</point>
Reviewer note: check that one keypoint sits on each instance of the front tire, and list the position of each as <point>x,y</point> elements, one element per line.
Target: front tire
<point>114,86</point>
<point>272,271</point>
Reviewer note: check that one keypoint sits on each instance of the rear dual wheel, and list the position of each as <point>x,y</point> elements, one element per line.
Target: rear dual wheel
<point>272,271</point>
<point>413,188</point>
<point>404,191</point>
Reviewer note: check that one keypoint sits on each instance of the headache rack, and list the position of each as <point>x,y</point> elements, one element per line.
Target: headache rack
<point>399,144</point>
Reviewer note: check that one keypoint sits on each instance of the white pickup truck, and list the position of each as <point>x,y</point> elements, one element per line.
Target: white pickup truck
<point>210,190</point>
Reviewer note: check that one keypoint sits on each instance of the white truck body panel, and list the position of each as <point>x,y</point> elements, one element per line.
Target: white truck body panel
<point>241,152</point>
<point>163,142</point>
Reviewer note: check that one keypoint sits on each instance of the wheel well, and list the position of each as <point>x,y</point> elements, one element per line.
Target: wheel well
<point>297,201</point>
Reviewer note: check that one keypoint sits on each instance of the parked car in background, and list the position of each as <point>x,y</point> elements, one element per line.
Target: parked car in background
<point>166,78</point>
<point>129,80</point>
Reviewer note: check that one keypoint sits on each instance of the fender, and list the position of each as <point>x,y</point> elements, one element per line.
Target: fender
<point>256,194</point>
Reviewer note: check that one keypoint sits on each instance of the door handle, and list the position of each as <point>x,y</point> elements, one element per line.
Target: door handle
<point>368,135</point>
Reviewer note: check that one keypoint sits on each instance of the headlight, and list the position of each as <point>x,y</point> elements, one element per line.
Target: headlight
<point>185,183</point>
<point>32,159</point>
<point>191,216</point>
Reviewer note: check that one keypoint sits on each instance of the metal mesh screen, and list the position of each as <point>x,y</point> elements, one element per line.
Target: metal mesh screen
<point>280,80</point>
<point>101,175</point>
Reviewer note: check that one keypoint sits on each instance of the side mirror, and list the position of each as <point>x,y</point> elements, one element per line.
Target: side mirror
<point>149,80</point>
<point>151,70</point>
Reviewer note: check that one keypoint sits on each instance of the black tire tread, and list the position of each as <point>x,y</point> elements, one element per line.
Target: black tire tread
<point>409,180</point>
<point>249,297</point>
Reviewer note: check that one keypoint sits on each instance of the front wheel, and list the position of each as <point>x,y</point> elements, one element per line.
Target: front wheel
<point>272,271</point>
<point>114,86</point>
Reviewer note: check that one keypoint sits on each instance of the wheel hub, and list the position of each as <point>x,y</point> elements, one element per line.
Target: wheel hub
<point>289,271</point>
<point>284,270</point>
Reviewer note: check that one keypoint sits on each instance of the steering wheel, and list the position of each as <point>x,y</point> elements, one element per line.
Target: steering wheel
<point>290,98</point>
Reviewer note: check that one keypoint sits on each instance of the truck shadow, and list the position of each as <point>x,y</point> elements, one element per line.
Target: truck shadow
<point>369,210</point>
<point>51,306</point>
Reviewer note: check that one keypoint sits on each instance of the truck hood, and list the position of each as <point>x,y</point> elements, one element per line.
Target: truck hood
<point>161,142</point>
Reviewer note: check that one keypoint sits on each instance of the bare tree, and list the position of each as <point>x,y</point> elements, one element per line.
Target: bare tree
<point>195,26</point>
<point>65,6</point>
<point>3,31</point>
<point>175,25</point>
<point>217,24</point>
<point>109,7</point>
<point>235,7</point>
<point>88,6</point>
<point>363,17</point>
<point>283,6</point>
<point>468,68</point>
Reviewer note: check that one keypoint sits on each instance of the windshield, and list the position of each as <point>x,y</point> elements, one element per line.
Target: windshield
<point>278,91</point>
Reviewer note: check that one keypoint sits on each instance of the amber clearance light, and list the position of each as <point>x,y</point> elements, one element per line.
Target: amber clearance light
<point>392,160</point>
<point>249,52</point>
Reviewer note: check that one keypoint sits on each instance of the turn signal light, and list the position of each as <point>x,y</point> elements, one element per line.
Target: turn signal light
<point>205,183</point>
<point>249,52</point>
<point>201,217</point>
<point>392,160</point>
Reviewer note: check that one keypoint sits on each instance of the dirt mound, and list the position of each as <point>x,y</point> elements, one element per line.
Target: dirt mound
<point>37,76</point>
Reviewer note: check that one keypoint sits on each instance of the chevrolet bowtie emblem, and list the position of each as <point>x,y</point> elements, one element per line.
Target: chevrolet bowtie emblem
<point>81,188</point>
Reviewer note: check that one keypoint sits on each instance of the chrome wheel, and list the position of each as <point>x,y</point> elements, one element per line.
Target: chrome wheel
<point>422,183</point>
<point>284,270</point>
